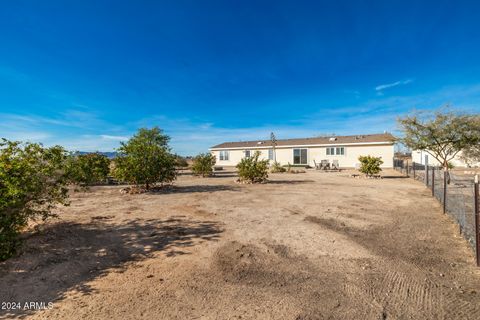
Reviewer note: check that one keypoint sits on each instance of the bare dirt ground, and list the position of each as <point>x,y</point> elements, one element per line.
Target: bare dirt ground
<point>304,246</point>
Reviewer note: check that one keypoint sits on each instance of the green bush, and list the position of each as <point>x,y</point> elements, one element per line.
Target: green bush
<point>87,169</point>
<point>203,164</point>
<point>145,159</point>
<point>370,165</point>
<point>252,169</point>
<point>32,183</point>
<point>276,167</point>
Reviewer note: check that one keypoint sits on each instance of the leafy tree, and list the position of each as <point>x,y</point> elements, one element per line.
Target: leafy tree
<point>203,164</point>
<point>32,183</point>
<point>87,169</point>
<point>443,133</point>
<point>252,169</point>
<point>145,159</point>
<point>370,165</point>
<point>471,155</point>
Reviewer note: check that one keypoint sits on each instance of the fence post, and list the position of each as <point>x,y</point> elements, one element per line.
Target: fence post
<point>426,175</point>
<point>407,168</point>
<point>426,170</point>
<point>477,220</point>
<point>413,166</point>
<point>445,190</point>
<point>433,181</point>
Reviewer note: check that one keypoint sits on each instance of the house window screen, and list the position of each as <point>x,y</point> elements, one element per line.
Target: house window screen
<point>300,156</point>
<point>332,151</point>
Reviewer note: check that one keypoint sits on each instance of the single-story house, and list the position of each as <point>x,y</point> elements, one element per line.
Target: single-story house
<point>423,157</point>
<point>307,151</point>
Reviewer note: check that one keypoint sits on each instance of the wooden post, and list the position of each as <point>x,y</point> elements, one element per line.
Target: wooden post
<point>407,168</point>
<point>433,181</point>
<point>413,166</point>
<point>444,190</point>
<point>477,220</point>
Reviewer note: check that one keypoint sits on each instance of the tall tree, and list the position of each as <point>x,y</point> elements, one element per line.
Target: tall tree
<point>442,133</point>
<point>146,159</point>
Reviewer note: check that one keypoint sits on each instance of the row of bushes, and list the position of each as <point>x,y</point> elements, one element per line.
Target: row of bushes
<point>34,179</point>
<point>253,170</point>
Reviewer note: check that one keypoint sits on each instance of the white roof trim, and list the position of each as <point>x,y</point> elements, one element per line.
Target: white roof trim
<point>309,145</point>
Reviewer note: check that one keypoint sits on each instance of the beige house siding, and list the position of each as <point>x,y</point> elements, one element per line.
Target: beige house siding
<point>418,156</point>
<point>284,155</point>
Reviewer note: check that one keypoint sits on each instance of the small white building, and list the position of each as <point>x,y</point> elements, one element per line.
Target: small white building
<point>423,157</point>
<point>308,151</point>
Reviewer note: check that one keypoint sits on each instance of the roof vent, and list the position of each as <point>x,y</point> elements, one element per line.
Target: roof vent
<point>332,139</point>
<point>260,142</point>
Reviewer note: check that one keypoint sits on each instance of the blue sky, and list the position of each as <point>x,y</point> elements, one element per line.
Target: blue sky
<point>87,74</point>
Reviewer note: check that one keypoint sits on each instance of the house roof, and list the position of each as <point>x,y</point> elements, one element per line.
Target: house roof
<point>333,140</point>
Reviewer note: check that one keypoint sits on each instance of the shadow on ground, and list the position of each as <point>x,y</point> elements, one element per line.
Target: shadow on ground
<point>289,181</point>
<point>386,241</point>
<point>66,256</point>
<point>394,177</point>
<point>224,175</point>
<point>199,188</point>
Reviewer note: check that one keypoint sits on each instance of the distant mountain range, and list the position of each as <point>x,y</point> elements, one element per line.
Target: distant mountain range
<point>114,154</point>
<point>109,155</point>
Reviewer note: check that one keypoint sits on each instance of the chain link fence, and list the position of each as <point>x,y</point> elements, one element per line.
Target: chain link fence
<point>457,193</point>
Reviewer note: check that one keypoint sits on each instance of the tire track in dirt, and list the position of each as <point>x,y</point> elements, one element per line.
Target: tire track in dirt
<point>319,289</point>
<point>402,294</point>
<point>397,295</point>
<point>398,284</point>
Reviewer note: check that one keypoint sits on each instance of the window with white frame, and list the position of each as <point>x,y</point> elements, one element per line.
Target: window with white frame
<point>335,151</point>
<point>270,154</point>
<point>224,155</point>
<point>300,156</point>
<point>247,153</point>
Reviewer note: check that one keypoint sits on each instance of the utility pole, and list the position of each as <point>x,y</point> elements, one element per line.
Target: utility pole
<point>274,144</point>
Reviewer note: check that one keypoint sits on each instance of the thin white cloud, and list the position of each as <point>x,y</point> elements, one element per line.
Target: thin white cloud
<point>391,85</point>
<point>114,138</point>
<point>68,118</point>
<point>25,135</point>
<point>88,143</point>
<point>191,135</point>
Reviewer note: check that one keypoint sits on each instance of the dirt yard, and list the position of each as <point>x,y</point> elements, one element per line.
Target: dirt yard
<point>304,246</point>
